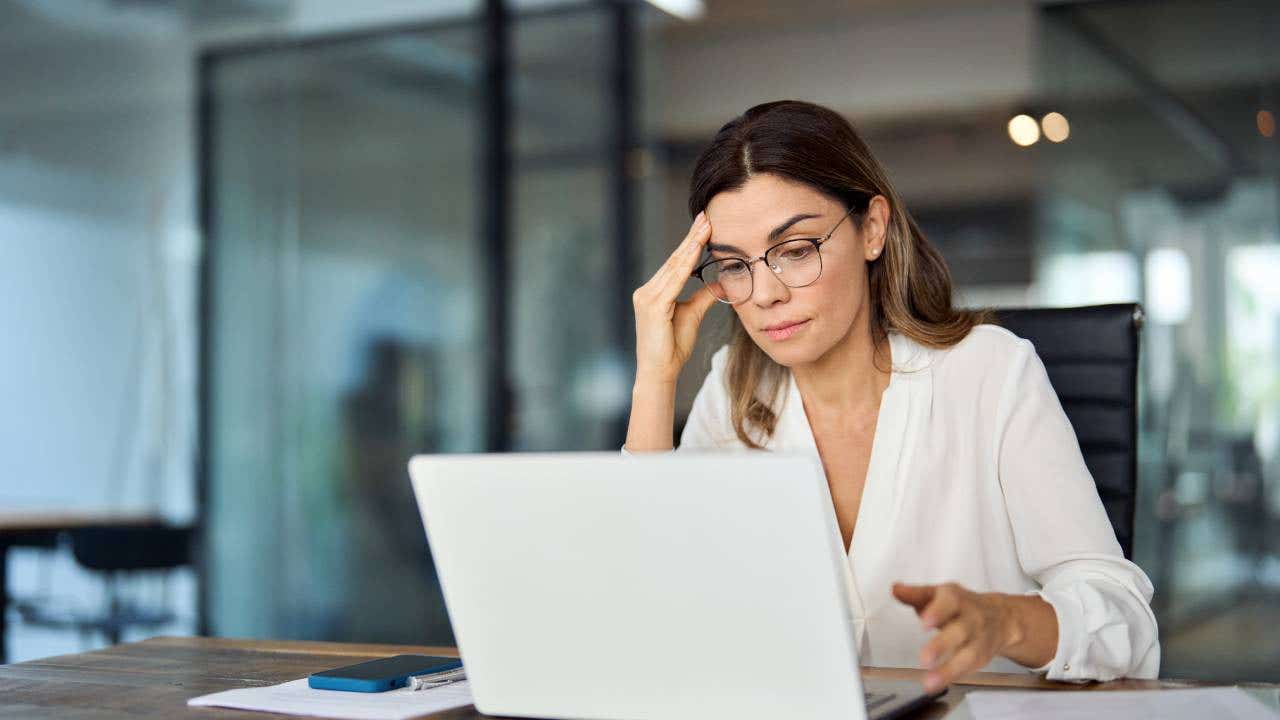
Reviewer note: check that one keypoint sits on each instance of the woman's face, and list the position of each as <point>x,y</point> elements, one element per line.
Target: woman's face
<point>741,223</point>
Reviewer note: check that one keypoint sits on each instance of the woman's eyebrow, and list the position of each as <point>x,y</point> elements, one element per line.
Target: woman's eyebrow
<point>773,234</point>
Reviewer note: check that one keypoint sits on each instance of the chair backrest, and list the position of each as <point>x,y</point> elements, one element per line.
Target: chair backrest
<point>142,547</point>
<point>1091,355</point>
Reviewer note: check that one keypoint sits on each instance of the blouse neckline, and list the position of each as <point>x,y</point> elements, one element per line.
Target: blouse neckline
<point>908,393</point>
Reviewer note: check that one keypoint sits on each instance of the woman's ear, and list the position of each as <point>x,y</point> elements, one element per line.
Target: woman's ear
<point>874,227</point>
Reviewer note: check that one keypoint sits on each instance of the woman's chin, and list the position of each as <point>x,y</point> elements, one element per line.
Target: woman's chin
<point>787,354</point>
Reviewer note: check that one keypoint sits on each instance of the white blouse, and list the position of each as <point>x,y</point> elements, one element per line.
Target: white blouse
<point>975,477</point>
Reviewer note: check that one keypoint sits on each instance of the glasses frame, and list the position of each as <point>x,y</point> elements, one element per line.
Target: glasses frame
<point>817,247</point>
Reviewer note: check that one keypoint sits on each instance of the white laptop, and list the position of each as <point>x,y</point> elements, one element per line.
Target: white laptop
<point>674,585</point>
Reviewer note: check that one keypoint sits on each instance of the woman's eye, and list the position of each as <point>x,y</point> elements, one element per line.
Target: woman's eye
<point>798,253</point>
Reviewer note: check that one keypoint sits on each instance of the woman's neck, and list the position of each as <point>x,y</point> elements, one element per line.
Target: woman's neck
<point>849,379</point>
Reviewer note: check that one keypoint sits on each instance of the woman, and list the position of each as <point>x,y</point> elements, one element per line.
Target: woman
<point>975,534</point>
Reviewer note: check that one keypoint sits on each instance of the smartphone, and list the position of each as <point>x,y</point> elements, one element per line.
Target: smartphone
<point>382,674</point>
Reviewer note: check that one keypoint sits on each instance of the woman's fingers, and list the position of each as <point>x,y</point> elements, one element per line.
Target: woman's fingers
<point>965,660</point>
<point>946,642</point>
<point>944,605</point>
<point>970,629</point>
<point>917,596</point>
<point>676,252</point>
<point>689,313</point>
<point>675,272</point>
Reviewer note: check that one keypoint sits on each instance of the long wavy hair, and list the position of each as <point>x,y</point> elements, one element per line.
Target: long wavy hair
<point>909,283</point>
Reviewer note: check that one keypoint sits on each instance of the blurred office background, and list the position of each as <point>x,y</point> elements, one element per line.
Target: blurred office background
<point>256,253</point>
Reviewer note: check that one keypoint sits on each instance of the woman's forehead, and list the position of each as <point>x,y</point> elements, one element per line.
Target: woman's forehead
<point>764,202</point>
<point>753,230</point>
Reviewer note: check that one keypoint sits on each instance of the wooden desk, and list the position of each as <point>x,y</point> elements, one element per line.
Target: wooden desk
<point>17,526</point>
<point>156,677</point>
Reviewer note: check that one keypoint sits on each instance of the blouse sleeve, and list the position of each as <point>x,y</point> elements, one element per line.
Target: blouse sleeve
<point>1064,540</point>
<point>709,411</point>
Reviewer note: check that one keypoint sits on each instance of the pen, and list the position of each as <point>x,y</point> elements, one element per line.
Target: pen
<point>434,680</point>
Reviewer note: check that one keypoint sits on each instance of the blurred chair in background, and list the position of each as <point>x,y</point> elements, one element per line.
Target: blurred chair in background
<point>118,554</point>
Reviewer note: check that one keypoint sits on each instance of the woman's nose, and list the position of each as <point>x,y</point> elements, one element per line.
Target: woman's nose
<point>766,287</point>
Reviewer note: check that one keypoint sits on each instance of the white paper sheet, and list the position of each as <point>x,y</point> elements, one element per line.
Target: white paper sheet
<point>296,698</point>
<point>1225,703</point>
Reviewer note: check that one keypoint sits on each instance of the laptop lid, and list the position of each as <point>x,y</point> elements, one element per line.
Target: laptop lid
<point>677,585</point>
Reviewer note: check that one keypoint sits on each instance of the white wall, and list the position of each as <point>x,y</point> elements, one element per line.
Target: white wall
<point>97,232</point>
<point>98,258</point>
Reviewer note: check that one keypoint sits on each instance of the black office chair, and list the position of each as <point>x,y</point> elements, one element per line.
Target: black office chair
<point>118,552</point>
<point>1091,355</point>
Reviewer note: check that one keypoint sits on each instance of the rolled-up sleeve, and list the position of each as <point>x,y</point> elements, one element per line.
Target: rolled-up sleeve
<point>708,414</point>
<point>1064,540</point>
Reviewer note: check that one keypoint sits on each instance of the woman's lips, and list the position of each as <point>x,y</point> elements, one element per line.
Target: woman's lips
<point>788,331</point>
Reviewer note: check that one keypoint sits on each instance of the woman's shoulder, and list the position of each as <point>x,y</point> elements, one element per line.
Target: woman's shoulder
<point>990,340</point>
<point>987,351</point>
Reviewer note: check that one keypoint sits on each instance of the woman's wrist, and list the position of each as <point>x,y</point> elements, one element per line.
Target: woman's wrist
<point>1012,630</point>
<point>1028,628</point>
<point>652,415</point>
<point>647,386</point>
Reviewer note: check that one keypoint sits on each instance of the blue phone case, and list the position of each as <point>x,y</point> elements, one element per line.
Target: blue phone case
<point>320,682</point>
<point>331,682</point>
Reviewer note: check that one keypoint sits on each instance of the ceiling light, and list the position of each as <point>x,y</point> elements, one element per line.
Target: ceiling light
<point>1023,130</point>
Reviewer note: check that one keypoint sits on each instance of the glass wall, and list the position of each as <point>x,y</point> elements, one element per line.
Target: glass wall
<point>1167,191</point>
<point>563,247</point>
<point>349,281</point>
<point>346,329</point>
<point>572,370</point>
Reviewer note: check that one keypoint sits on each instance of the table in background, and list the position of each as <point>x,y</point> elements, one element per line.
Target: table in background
<point>17,526</point>
<point>156,677</point>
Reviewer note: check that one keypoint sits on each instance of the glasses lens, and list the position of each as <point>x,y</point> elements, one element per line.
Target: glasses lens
<point>796,262</point>
<point>729,279</point>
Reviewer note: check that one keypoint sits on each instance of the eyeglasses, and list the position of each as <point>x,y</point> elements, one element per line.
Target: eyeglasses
<point>796,262</point>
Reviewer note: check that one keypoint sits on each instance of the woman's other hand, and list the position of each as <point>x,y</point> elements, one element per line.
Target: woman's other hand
<point>975,627</point>
<point>666,329</point>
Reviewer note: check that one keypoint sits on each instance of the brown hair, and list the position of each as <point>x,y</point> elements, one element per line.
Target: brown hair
<point>909,283</point>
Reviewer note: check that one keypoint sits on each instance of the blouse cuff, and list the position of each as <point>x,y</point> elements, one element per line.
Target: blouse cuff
<point>1070,659</point>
